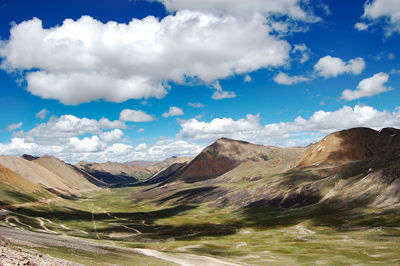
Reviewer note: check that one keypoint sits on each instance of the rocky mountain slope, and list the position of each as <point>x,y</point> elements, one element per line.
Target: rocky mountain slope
<point>225,155</point>
<point>355,167</point>
<point>35,173</point>
<point>75,180</point>
<point>165,174</point>
<point>350,145</point>
<point>47,172</point>
<point>12,178</point>
<point>15,189</point>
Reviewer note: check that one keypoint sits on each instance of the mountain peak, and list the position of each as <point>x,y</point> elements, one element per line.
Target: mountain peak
<point>228,140</point>
<point>220,157</point>
<point>353,144</point>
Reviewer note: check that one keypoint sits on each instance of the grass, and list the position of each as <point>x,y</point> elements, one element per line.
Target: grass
<point>10,195</point>
<point>256,236</point>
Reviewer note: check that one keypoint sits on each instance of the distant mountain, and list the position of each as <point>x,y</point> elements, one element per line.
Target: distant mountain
<point>115,174</point>
<point>124,174</point>
<point>157,166</point>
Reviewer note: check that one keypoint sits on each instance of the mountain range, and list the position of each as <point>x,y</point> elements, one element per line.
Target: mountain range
<point>348,165</point>
<point>347,179</point>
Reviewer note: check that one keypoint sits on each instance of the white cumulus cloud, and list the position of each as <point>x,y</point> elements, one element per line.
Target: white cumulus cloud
<point>291,8</point>
<point>386,10</point>
<point>173,111</point>
<point>84,60</point>
<point>300,131</point>
<point>92,144</point>
<point>368,87</point>
<point>112,136</point>
<point>284,79</point>
<point>92,147</point>
<point>135,116</point>
<point>329,66</point>
<point>166,148</point>
<point>57,129</point>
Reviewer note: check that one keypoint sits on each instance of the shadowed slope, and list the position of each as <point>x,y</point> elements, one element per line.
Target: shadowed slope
<point>164,174</point>
<point>114,174</point>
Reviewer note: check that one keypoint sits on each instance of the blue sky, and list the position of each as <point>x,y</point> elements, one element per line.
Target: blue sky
<point>127,80</point>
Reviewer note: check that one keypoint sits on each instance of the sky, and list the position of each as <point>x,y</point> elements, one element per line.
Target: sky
<point>125,80</point>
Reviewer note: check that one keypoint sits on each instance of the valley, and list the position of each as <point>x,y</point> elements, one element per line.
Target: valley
<point>334,202</point>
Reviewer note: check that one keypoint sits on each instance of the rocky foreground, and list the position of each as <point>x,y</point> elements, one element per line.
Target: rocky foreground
<point>16,256</point>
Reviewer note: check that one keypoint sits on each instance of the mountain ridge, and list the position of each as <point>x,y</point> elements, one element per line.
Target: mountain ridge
<point>299,175</point>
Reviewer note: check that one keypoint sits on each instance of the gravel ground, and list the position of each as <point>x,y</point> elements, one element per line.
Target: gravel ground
<point>34,239</point>
<point>17,256</point>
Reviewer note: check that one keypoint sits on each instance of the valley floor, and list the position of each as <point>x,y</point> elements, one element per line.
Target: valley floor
<point>112,227</point>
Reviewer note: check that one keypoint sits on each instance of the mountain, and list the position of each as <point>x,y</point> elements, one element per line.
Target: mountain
<point>346,186</point>
<point>349,168</point>
<point>17,181</point>
<point>344,167</point>
<point>345,146</point>
<point>75,180</point>
<point>115,174</point>
<point>15,189</point>
<point>157,166</point>
<point>164,174</point>
<point>226,154</point>
<point>35,173</point>
<point>89,177</point>
<point>125,174</point>
<point>50,173</point>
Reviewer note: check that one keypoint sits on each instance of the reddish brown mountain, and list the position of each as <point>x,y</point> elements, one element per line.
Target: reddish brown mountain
<point>225,155</point>
<point>350,145</point>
